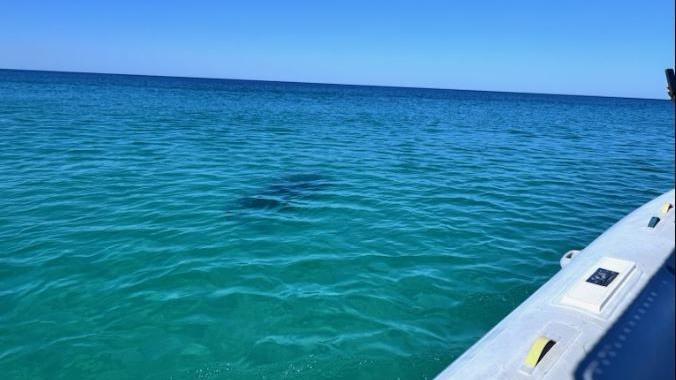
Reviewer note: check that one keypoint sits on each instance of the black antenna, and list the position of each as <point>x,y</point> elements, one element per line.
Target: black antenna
<point>671,84</point>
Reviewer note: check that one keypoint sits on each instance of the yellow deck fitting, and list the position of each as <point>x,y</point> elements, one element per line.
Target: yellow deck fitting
<point>538,350</point>
<point>666,207</point>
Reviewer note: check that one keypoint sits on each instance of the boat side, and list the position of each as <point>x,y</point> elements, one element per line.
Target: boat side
<point>550,333</point>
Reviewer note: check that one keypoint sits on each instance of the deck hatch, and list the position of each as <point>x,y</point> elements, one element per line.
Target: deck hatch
<point>593,290</point>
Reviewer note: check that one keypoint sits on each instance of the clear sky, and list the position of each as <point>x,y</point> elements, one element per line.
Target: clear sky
<point>595,47</point>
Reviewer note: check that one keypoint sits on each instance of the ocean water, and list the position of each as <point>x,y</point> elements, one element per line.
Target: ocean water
<point>173,228</point>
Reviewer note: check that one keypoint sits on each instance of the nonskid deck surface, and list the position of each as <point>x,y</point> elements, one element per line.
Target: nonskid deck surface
<point>579,305</point>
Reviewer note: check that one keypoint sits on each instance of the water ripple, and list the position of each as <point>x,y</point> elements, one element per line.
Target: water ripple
<point>168,228</point>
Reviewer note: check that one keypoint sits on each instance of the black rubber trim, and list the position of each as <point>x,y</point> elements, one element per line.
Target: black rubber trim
<point>640,345</point>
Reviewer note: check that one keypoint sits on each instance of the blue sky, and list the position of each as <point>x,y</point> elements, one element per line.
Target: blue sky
<point>603,47</point>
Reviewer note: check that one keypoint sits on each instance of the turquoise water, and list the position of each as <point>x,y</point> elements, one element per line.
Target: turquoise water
<point>166,228</point>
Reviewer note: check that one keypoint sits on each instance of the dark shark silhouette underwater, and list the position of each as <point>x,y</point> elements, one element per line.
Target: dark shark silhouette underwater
<point>281,193</point>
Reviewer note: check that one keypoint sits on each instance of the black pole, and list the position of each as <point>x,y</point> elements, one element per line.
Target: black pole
<point>671,84</point>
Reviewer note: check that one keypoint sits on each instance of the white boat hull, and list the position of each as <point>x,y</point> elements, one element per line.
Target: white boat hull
<point>573,309</point>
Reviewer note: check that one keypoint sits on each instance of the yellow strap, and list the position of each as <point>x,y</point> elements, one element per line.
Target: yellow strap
<point>666,207</point>
<point>535,352</point>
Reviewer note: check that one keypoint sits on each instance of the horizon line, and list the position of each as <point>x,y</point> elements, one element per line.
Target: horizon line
<point>329,83</point>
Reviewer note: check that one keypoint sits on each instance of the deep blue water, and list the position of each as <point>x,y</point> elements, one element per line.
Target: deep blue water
<point>174,228</point>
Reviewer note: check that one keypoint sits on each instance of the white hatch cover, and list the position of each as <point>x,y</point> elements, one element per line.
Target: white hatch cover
<point>593,290</point>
